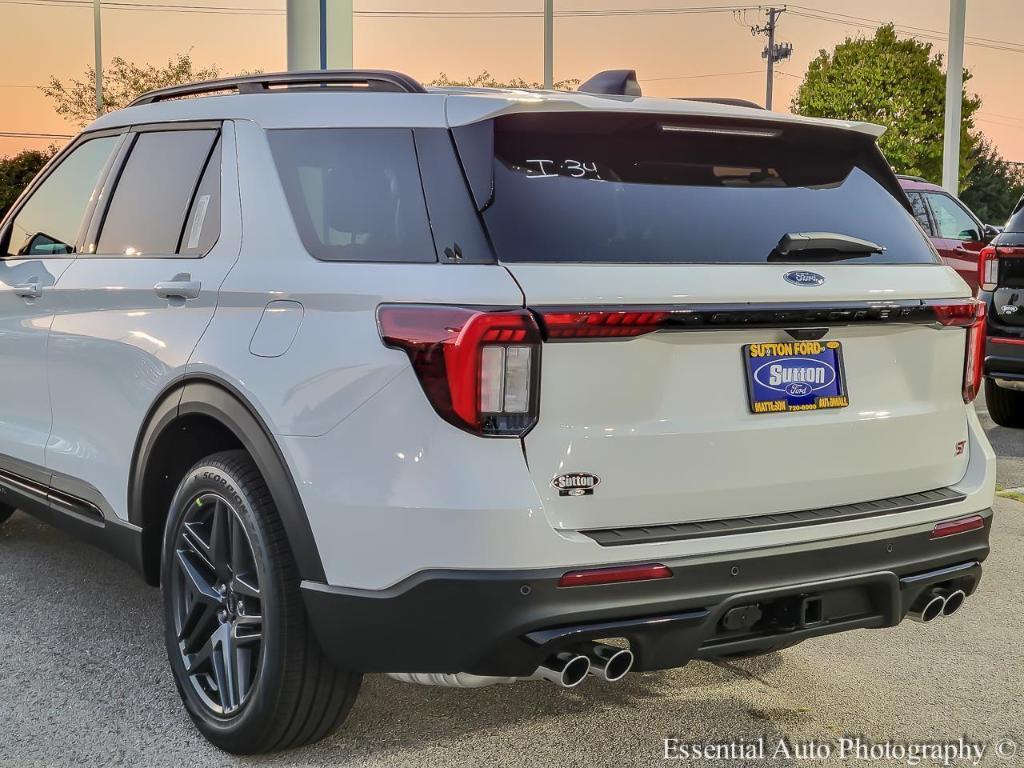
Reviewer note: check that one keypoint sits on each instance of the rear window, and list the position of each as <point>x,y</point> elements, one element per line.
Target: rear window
<point>642,188</point>
<point>355,193</point>
<point>1016,221</point>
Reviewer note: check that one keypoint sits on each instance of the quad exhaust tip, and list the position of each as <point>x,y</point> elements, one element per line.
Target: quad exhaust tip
<point>954,601</point>
<point>609,663</point>
<point>565,669</point>
<point>937,602</point>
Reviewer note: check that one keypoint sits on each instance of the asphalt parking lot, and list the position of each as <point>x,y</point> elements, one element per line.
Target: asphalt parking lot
<point>83,681</point>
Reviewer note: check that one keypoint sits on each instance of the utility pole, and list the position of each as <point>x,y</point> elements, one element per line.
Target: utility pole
<point>98,64</point>
<point>954,96</point>
<point>549,44</point>
<point>773,52</point>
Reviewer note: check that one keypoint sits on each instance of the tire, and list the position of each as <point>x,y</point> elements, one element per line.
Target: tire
<point>1005,406</point>
<point>284,692</point>
<point>5,513</point>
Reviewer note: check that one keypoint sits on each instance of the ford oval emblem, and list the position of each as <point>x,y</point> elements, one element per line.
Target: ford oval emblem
<point>796,376</point>
<point>575,484</point>
<point>803,278</point>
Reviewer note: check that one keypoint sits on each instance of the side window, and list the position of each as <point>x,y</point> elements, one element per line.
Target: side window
<point>48,224</point>
<point>355,194</point>
<point>952,220</point>
<point>154,193</point>
<point>202,227</point>
<point>921,211</point>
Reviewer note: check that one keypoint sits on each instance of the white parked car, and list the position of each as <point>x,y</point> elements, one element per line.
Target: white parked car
<point>469,385</point>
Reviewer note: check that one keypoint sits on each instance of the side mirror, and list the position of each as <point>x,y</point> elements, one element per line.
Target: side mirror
<point>989,232</point>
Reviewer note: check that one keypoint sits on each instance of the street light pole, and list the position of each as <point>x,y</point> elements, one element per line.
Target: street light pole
<point>98,64</point>
<point>549,43</point>
<point>954,96</point>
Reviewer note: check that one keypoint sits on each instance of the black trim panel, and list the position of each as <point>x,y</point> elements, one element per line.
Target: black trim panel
<point>618,537</point>
<point>507,623</point>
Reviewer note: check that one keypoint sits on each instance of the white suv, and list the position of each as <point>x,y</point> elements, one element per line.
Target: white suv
<point>469,386</point>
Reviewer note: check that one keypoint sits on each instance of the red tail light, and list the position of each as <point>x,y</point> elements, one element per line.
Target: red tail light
<point>961,525</point>
<point>969,314</point>
<point>988,268</point>
<point>601,324</point>
<point>479,369</point>
<point>615,575</point>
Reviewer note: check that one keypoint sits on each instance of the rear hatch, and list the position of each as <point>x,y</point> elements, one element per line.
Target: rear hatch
<point>652,248</point>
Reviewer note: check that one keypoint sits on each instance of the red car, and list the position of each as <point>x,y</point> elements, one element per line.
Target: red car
<point>957,234</point>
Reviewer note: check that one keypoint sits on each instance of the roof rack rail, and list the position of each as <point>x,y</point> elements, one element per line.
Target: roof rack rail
<point>910,177</point>
<point>354,79</point>
<point>727,100</point>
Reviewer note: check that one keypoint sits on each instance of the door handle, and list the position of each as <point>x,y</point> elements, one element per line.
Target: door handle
<point>181,287</point>
<point>29,290</point>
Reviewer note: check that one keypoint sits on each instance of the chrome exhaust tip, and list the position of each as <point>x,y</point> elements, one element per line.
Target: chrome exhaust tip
<point>564,669</point>
<point>929,606</point>
<point>609,663</point>
<point>954,601</point>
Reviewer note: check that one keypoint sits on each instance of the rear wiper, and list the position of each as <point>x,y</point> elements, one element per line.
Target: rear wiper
<point>821,245</point>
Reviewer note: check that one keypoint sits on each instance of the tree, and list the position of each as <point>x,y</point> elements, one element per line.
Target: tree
<point>898,83</point>
<point>17,171</point>
<point>486,80</point>
<point>993,186</point>
<point>123,81</point>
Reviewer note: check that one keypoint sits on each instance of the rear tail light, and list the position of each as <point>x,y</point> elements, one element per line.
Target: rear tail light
<point>615,575</point>
<point>969,314</point>
<point>960,525</point>
<point>988,268</point>
<point>479,369</point>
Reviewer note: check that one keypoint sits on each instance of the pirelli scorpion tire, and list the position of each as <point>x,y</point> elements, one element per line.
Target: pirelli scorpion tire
<point>1005,406</point>
<point>249,670</point>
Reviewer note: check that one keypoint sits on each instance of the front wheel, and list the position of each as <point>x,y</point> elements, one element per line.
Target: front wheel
<point>247,666</point>
<point>1005,406</point>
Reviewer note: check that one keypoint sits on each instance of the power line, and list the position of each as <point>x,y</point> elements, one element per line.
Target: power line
<point>122,5</point>
<point>919,32</point>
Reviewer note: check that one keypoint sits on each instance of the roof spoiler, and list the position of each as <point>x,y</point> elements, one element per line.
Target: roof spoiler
<point>613,82</point>
<point>727,100</point>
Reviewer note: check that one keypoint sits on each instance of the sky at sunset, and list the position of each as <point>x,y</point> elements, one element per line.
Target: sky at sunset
<point>695,54</point>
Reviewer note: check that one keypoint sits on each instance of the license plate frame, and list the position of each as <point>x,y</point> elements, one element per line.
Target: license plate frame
<point>807,376</point>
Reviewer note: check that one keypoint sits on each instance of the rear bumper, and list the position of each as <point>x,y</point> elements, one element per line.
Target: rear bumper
<point>506,623</point>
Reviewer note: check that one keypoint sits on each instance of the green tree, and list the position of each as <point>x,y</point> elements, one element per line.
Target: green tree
<point>486,80</point>
<point>897,83</point>
<point>17,171</point>
<point>123,81</point>
<point>993,186</point>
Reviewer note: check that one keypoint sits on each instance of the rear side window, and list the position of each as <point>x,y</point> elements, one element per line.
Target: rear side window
<point>154,193</point>
<point>49,222</point>
<point>355,194</point>
<point>592,187</point>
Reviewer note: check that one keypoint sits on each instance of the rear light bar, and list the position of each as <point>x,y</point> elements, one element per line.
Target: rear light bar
<point>969,314</point>
<point>960,525</point>
<point>615,575</point>
<point>478,368</point>
<point>596,324</point>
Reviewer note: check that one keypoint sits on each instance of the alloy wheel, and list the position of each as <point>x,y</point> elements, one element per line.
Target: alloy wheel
<point>218,610</point>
